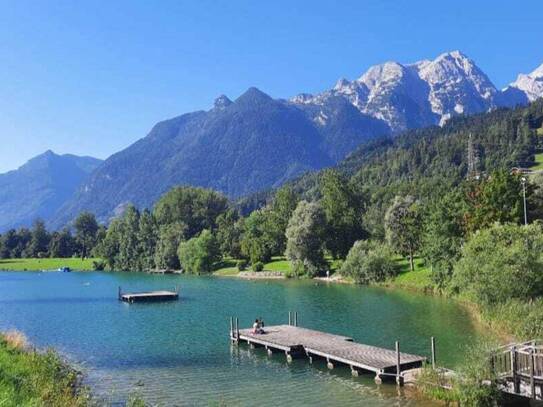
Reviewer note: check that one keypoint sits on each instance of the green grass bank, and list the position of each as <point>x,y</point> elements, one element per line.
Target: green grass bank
<point>46,264</point>
<point>31,378</point>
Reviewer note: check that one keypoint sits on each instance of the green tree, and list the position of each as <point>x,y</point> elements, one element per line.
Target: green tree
<point>343,209</point>
<point>403,226</point>
<point>284,203</point>
<point>258,242</point>
<point>369,262</point>
<point>500,263</point>
<point>9,244</point>
<point>86,229</point>
<point>39,242</point>
<point>62,244</point>
<point>147,240</point>
<point>229,232</point>
<point>128,257</point>
<point>108,248</point>
<point>24,236</point>
<point>199,254</point>
<point>197,208</point>
<point>495,199</point>
<point>444,234</point>
<point>534,196</point>
<point>169,238</point>
<point>305,239</point>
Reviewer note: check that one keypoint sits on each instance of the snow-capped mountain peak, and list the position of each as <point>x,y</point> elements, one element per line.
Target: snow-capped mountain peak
<point>428,92</point>
<point>457,86</point>
<point>531,84</point>
<point>341,84</point>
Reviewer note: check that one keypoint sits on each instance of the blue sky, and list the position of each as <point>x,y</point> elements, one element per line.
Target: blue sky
<point>92,77</point>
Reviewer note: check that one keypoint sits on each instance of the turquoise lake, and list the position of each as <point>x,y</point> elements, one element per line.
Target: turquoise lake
<point>178,353</point>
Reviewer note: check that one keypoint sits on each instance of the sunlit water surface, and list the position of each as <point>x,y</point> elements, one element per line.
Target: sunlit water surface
<point>178,353</point>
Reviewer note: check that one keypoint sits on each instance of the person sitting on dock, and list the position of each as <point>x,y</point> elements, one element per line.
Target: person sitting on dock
<point>257,328</point>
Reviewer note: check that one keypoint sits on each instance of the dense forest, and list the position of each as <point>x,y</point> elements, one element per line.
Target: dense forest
<point>451,196</point>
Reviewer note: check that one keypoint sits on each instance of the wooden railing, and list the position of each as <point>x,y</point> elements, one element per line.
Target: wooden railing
<point>521,364</point>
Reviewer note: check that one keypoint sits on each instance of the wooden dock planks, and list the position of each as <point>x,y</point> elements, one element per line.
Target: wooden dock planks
<point>149,296</point>
<point>334,348</point>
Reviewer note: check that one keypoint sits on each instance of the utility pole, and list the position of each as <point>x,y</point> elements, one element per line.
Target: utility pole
<point>523,182</point>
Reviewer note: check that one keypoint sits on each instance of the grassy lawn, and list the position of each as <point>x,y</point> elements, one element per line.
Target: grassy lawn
<point>415,280</point>
<point>45,264</point>
<point>538,162</point>
<point>277,264</point>
<point>419,279</point>
<point>228,266</point>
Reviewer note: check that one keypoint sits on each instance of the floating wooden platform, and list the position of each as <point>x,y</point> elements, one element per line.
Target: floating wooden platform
<point>149,296</point>
<point>301,342</point>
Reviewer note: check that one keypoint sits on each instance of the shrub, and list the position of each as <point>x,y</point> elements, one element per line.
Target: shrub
<point>241,264</point>
<point>369,262</point>
<point>199,254</point>
<point>258,266</point>
<point>501,263</point>
<point>475,384</point>
<point>98,265</point>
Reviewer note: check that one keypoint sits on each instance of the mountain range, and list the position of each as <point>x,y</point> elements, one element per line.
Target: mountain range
<point>256,142</point>
<point>40,187</point>
<point>428,92</point>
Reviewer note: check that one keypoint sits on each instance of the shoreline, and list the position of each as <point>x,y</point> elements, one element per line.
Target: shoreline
<point>39,376</point>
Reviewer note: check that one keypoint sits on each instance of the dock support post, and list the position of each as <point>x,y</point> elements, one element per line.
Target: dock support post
<point>296,318</point>
<point>289,357</point>
<point>289,318</point>
<point>354,372</point>
<point>237,330</point>
<point>231,328</point>
<point>514,368</point>
<point>329,364</point>
<point>119,293</point>
<point>433,343</point>
<point>399,378</point>
<point>378,379</point>
<point>532,373</point>
<point>270,352</point>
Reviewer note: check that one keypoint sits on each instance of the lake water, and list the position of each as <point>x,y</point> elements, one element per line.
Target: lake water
<point>178,353</point>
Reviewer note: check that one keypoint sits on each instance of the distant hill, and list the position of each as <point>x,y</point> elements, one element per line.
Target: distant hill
<point>239,147</point>
<point>40,187</point>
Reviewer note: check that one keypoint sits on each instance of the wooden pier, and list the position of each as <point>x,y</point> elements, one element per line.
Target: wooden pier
<point>519,368</point>
<point>149,296</point>
<point>295,342</point>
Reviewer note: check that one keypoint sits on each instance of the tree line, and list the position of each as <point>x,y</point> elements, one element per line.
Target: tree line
<point>38,242</point>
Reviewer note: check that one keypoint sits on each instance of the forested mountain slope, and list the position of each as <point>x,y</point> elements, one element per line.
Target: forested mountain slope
<point>239,147</point>
<point>426,161</point>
